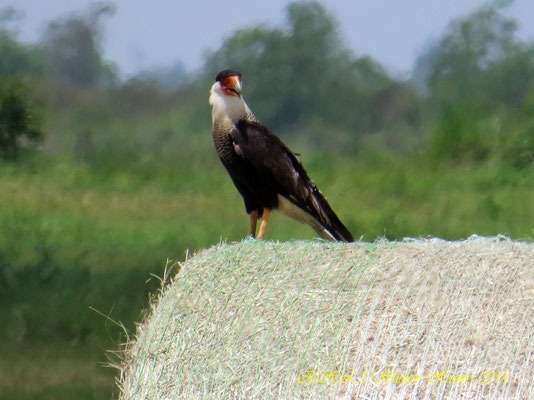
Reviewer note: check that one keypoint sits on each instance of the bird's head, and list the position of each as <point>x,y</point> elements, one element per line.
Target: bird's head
<point>226,99</point>
<point>230,82</point>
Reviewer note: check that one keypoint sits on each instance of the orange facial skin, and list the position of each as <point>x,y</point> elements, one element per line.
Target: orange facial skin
<point>232,85</point>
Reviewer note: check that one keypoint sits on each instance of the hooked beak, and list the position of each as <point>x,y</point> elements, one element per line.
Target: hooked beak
<point>237,86</point>
<point>232,86</point>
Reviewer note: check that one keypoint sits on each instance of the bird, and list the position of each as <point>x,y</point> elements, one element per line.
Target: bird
<point>266,173</point>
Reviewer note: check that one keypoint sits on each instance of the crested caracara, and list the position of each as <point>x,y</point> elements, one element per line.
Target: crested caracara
<point>266,173</point>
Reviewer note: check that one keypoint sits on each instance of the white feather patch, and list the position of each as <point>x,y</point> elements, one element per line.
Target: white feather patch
<point>224,107</point>
<point>289,209</point>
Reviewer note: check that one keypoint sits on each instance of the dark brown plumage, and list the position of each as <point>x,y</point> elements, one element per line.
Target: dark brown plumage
<point>266,173</point>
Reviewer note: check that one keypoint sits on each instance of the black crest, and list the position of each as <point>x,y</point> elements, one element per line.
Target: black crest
<point>225,74</point>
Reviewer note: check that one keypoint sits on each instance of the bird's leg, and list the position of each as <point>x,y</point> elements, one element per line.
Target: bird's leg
<point>264,220</point>
<point>253,221</point>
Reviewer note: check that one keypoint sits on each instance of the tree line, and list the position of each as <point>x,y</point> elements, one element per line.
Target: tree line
<point>470,99</point>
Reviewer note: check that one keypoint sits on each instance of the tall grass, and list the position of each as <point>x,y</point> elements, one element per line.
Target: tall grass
<point>75,235</point>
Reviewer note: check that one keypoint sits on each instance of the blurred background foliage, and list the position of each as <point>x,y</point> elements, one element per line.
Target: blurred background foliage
<point>102,180</point>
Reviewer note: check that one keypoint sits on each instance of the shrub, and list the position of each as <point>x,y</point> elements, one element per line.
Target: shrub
<point>19,125</point>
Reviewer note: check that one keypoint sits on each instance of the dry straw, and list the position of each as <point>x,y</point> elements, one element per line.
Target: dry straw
<point>310,320</point>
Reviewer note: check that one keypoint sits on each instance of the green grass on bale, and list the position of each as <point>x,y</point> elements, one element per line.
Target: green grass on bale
<point>251,320</point>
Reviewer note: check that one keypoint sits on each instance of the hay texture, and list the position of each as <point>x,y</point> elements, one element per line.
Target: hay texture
<point>418,319</point>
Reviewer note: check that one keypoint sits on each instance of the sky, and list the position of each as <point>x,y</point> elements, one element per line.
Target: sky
<point>143,34</point>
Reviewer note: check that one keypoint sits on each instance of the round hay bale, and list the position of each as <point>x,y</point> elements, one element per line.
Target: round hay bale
<point>402,320</point>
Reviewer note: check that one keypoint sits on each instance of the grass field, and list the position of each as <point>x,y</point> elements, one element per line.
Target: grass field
<point>126,176</point>
<point>74,237</point>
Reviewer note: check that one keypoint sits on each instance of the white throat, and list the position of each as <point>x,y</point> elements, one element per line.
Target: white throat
<point>227,108</point>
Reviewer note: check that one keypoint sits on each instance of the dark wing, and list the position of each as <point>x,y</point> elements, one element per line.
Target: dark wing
<point>278,167</point>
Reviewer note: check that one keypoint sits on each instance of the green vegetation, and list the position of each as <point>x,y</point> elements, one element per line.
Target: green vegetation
<point>127,176</point>
<point>19,123</point>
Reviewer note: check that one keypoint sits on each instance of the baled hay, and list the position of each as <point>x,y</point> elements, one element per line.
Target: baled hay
<point>403,320</point>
